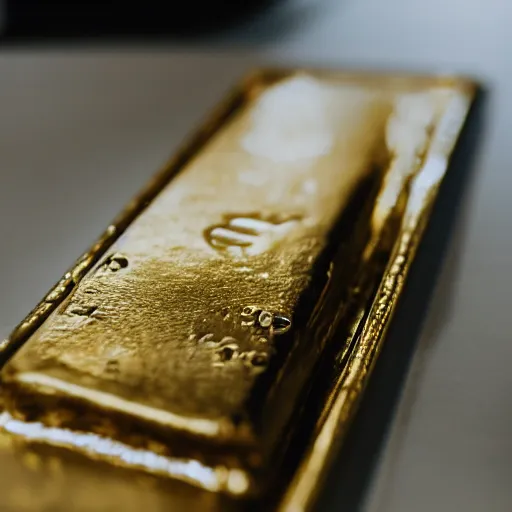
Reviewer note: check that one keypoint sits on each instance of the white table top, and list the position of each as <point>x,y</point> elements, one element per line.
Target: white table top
<point>81,131</point>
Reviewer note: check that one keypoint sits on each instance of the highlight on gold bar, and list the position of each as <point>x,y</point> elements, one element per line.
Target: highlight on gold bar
<point>183,348</point>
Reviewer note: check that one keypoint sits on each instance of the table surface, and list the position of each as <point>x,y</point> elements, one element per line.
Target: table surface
<point>83,128</point>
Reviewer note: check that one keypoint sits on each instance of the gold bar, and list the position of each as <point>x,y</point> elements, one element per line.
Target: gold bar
<point>182,347</point>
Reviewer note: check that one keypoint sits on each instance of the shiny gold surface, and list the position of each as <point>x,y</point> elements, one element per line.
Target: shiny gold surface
<point>184,348</point>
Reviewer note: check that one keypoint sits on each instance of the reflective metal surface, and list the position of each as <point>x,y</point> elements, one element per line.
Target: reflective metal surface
<point>272,249</point>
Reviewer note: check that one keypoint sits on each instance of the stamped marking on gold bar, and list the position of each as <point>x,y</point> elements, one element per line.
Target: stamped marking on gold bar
<point>248,235</point>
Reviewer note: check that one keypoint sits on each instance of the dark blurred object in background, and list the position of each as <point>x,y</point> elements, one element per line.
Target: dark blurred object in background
<point>28,19</point>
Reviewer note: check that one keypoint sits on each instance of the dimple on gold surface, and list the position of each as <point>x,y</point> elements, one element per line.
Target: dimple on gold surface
<point>183,346</point>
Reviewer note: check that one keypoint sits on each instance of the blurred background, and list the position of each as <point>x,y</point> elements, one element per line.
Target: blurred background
<point>94,96</point>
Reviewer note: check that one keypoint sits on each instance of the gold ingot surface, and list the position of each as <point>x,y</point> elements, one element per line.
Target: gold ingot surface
<point>184,344</point>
